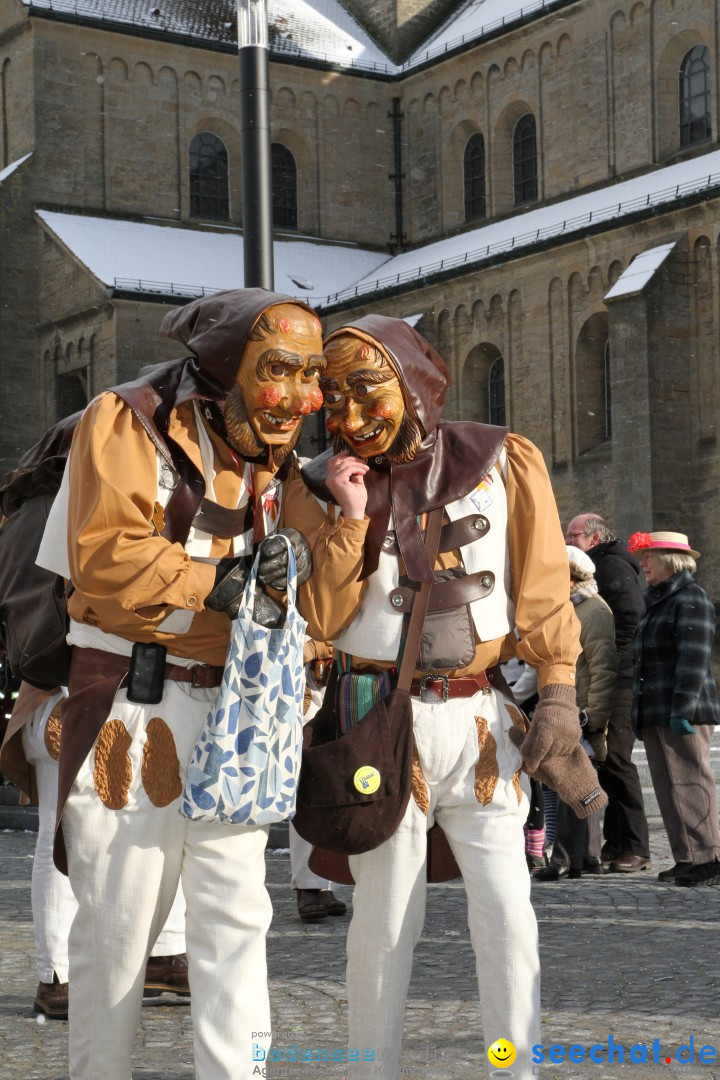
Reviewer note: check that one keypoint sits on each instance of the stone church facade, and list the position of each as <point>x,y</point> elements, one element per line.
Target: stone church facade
<point>599,340</point>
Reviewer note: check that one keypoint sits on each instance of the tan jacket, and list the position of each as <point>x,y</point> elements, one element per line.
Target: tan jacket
<point>548,632</point>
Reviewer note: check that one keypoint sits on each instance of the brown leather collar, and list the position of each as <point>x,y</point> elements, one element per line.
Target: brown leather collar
<point>451,462</point>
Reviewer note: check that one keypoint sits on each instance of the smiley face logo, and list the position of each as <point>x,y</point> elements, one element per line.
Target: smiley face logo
<point>502,1053</point>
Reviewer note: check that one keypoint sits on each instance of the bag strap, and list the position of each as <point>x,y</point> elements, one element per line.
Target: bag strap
<point>420,604</point>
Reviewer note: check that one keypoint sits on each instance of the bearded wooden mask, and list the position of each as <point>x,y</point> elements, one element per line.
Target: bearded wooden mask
<point>277,383</point>
<point>365,403</point>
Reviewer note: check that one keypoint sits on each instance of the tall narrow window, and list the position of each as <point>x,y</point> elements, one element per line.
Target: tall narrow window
<point>694,90</point>
<point>608,395</point>
<point>525,187</point>
<point>496,392</point>
<point>592,383</point>
<point>474,176</point>
<point>209,192</point>
<point>284,188</point>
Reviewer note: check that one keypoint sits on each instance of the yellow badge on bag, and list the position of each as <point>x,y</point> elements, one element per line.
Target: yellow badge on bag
<point>366,780</point>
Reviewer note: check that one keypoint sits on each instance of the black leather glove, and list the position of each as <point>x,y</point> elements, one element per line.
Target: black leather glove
<point>274,558</point>
<point>231,574</point>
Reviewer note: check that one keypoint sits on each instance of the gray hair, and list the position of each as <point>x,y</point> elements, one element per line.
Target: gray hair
<point>596,524</point>
<point>677,561</point>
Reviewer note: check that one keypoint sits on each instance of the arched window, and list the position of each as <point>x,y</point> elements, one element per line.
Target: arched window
<point>524,143</point>
<point>496,392</point>
<point>694,92</point>
<point>592,384</point>
<point>284,188</point>
<point>209,192</point>
<point>474,177</point>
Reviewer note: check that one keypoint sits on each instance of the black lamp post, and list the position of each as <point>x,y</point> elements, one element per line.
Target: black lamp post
<point>256,154</point>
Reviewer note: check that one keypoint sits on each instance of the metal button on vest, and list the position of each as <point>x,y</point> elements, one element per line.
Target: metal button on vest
<point>396,600</point>
<point>486,581</point>
<point>480,524</point>
<point>378,460</point>
<point>387,542</point>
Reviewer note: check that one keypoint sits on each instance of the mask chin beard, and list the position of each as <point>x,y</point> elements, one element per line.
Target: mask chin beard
<point>242,436</point>
<point>402,449</point>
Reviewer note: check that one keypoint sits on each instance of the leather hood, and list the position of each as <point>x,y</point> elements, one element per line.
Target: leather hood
<point>452,459</point>
<point>215,329</point>
<point>422,371</point>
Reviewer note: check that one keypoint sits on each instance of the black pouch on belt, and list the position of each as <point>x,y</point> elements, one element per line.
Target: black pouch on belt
<point>146,680</point>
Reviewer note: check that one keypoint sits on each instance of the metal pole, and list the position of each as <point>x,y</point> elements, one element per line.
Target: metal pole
<point>256,153</point>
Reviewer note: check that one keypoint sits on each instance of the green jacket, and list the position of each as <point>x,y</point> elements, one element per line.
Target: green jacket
<point>596,671</point>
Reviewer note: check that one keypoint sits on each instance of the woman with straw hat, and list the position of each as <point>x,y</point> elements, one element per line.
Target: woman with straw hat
<point>675,704</point>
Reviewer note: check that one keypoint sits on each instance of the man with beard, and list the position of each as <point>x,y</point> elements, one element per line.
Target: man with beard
<point>500,588</point>
<point>173,480</point>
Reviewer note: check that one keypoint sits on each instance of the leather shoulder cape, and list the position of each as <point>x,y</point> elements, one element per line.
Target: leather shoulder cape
<point>450,463</point>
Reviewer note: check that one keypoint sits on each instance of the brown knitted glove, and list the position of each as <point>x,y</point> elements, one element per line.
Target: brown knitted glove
<point>575,781</point>
<point>555,727</point>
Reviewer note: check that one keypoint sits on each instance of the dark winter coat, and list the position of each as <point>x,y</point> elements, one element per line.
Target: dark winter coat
<point>671,654</point>
<point>620,584</point>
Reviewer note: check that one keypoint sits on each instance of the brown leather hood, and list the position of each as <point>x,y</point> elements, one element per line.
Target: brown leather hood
<point>215,329</point>
<point>453,457</point>
<point>422,371</point>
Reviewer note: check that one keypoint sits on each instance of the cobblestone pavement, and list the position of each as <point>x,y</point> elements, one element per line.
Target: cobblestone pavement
<point>622,956</point>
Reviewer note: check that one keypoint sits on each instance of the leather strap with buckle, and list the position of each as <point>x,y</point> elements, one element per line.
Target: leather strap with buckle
<point>203,676</point>
<point>429,692</point>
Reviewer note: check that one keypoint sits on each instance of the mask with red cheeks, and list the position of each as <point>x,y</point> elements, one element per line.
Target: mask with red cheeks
<point>363,396</point>
<point>277,383</point>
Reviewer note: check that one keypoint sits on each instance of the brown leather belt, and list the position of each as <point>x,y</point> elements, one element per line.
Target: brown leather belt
<point>203,676</point>
<point>432,687</point>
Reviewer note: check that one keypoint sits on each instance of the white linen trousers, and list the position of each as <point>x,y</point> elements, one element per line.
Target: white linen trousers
<point>53,902</point>
<point>488,844</point>
<point>125,866</point>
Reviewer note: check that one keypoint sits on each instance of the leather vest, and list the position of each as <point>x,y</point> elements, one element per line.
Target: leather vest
<point>376,630</point>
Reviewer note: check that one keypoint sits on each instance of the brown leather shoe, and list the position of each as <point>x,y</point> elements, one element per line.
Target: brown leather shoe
<point>310,905</point>
<point>167,974</point>
<point>52,999</point>
<point>608,854</point>
<point>629,864</point>
<point>330,902</point>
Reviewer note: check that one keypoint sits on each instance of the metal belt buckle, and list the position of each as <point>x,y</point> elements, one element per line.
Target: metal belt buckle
<point>196,669</point>
<point>425,679</point>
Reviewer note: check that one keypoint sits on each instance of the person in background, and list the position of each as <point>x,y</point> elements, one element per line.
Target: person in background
<point>30,755</point>
<point>577,842</point>
<point>675,703</point>
<point>522,680</point>
<point>627,843</point>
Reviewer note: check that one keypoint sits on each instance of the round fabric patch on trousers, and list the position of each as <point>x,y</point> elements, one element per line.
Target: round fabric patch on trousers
<point>486,771</point>
<point>113,772</point>
<point>52,733</point>
<point>160,765</point>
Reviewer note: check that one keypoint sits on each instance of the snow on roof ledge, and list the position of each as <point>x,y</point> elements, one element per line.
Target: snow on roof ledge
<point>158,259</point>
<point>13,166</point>
<point>640,272</point>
